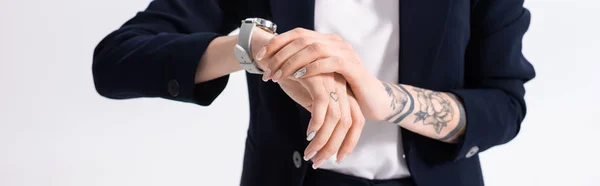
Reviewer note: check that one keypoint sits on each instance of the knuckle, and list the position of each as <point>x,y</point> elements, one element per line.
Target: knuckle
<point>303,41</point>
<point>328,150</point>
<point>337,60</point>
<point>336,114</point>
<point>319,143</point>
<point>335,37</point>
<point>346,122</point>
<point>288,65</point>
<point>316,47</point>
<point>299,30</point>
<point>316,65</point>
<point>291,59</point>
<point>351,142</point>
<point>276,59</point>
<point>359,121</point>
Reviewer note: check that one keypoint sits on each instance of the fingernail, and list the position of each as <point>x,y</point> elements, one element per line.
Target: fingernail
<point>276,76</point>
<point>266,74</point>
<point>310,136</point>
<point>317,164</point>
<point>300,72</point>
<point>261,53</point>
<point>341,159</point>
<point>310,156</point>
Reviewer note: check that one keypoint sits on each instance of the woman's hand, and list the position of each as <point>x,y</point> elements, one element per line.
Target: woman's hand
<point>305,53</point>
<point>336,121</point>
<point>297,48</point>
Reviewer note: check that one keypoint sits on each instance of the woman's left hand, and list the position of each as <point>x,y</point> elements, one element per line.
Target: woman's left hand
<point>301,47</point>
<point>305,53</point>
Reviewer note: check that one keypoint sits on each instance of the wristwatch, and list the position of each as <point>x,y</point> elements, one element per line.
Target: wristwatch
<point>243,49</point>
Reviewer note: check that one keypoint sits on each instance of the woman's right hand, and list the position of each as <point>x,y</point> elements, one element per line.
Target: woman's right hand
<point>337,120</point>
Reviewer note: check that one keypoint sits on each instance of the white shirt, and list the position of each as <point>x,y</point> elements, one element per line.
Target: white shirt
<point>371,26</point>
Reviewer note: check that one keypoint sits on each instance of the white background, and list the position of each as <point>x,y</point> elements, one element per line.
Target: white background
<point>55,130</point>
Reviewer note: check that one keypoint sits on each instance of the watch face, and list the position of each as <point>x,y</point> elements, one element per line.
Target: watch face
<point>263,23</point>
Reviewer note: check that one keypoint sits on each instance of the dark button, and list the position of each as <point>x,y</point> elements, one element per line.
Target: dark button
<point>173,88</point>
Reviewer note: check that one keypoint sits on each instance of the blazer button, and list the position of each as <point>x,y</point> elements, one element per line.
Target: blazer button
<point>297,159</point>
<point>404,156</point>
<point>472,151</point>
<point>173,88</point>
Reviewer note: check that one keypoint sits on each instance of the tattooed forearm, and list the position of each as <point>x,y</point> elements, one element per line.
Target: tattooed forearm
<point>453,135</point>
<point>435,110</point>
<point>392,95</point>
<point>437,115</point>
<point>400,99</point>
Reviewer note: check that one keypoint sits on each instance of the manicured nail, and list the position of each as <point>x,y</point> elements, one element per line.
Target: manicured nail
<point>317,164</point>
<point>276,76</point>
<point>300,72</point>
<point>310,156</point>
<point>310,136</point>
<point>266,74</point>
<point>341,159</point>
<point>261,53</point>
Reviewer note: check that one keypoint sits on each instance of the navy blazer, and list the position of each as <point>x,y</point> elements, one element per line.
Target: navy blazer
<point>471,48</point>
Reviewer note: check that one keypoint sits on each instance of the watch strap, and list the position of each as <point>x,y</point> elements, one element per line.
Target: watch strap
<point>243,50</point>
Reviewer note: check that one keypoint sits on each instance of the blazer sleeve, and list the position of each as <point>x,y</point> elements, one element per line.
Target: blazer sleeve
<point>155,54</point>
<point>496,72</point>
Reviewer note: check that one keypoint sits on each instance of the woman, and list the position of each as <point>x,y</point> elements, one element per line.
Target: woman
<point>367,92</point>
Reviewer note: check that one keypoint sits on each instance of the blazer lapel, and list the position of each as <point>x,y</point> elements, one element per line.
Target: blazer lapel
<point>289,14</point>
<point>422,29</point>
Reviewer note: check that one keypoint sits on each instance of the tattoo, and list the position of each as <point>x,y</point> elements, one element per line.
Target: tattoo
<point>400,99</point>
<point>434,110</point>
<point>391,94</point>
<point>333,96</point>
<point>461,121</point>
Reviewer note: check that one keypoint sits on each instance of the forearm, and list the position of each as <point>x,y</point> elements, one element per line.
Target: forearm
<point>218,60</point>
<point>438,115</point>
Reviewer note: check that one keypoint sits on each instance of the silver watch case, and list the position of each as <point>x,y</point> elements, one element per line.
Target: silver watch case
<point>243,48</point>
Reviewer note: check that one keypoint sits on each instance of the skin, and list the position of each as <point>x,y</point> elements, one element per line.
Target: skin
<point>438,115</point>
<point>330,64</point>
<point>335,112</point>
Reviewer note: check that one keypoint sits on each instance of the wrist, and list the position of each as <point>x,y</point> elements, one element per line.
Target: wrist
<point>372,96</point>
<point>218,59</point>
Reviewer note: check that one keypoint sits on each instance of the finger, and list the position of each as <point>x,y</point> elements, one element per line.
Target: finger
<point>302,58</point>
<point>285,53</point>
<point>332,117</point>
<point>324,133</point>
<point>353,135</point>
<point>322,66</point>
<point>341,128</point>
<point>319,107</point>
<point>279,41</point>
